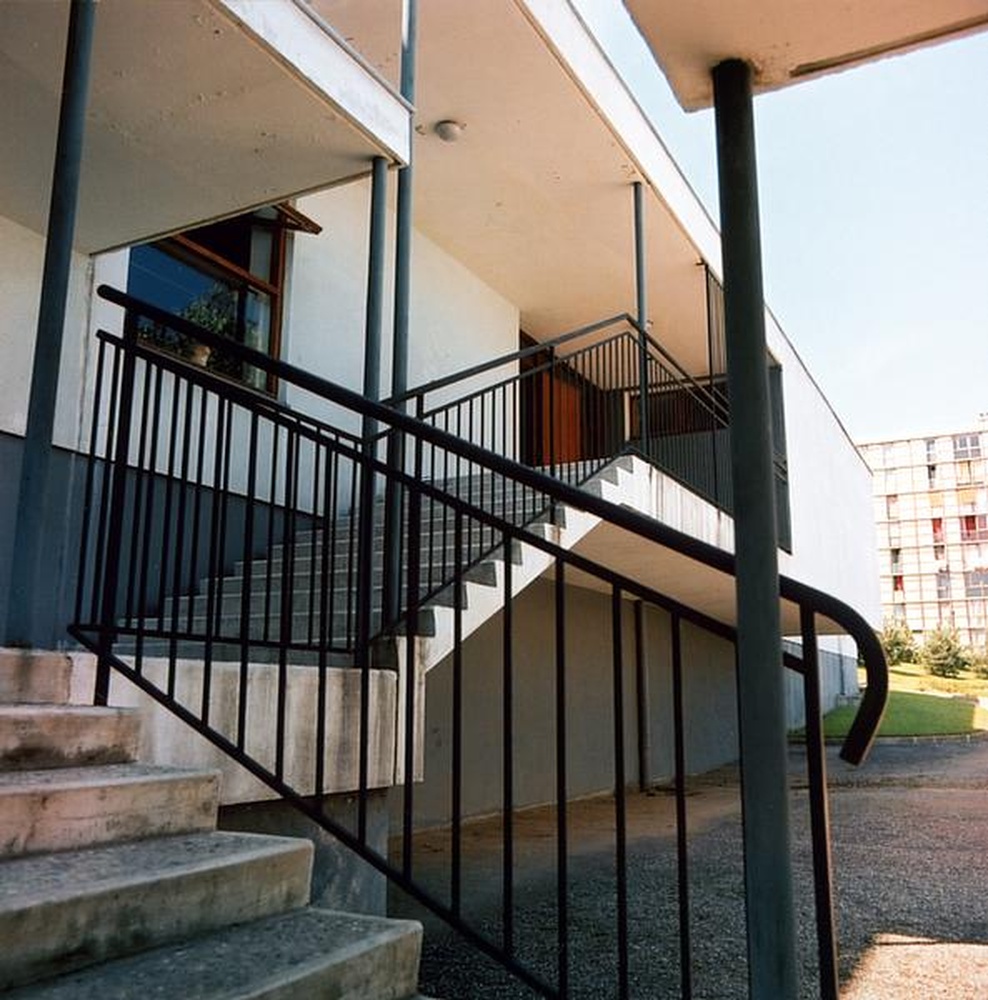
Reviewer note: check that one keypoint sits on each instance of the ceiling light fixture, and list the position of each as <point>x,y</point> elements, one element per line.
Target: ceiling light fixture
<point>448,130</point>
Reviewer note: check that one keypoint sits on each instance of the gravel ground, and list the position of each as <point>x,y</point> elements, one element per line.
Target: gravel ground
<point>909,834</point>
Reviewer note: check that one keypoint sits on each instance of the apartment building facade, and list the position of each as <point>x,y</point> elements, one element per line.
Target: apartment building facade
<point>931,512</point>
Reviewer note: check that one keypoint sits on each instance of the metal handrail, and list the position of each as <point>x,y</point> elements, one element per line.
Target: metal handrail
<point>155,584</point>
<point>865,726</point>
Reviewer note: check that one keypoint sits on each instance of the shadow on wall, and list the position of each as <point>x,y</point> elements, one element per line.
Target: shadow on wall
<point>709,706</point>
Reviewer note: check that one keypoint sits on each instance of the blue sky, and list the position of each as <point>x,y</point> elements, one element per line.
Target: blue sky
<point>874,205</point>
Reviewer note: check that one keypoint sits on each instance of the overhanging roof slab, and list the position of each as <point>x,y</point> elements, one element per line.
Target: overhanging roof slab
<point>197,109</point>
<point>790,40</point>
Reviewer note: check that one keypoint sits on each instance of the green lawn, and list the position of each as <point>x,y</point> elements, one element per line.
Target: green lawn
<point>912,713</point>
<point>913,677</point>
<point>917,706</point>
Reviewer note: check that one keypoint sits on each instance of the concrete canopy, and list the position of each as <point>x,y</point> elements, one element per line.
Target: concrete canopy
<point>535,196</point>
<point>790,40</point>
<point>197,109</point>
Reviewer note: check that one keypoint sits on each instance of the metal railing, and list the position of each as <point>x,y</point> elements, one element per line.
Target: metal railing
<point>195,481</point>
<point>569,405</point>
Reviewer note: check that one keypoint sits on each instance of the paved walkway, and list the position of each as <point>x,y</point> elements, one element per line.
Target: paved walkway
<point>910,843</point>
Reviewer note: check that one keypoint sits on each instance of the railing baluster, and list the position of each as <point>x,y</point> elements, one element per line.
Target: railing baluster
<point>117,471</point>
<point>286,618</point>
<point>816,765</point>
<point>562,833</point>
<point>411,630</point>
<point>620,807</point>
<point>215,557</point>
<point>246,589</point>
<point>89,487</point>
<point>507,756</point>
<point>682,835</point>
<point>198,489</point>
<point>149,507</point>
<point>132,609</point>
<point>456,859</point>
<point>327,533</point>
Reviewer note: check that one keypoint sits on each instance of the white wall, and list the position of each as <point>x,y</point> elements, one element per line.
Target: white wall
<point>833,531</point>
<point>21,264</point>
<point>455,319</point>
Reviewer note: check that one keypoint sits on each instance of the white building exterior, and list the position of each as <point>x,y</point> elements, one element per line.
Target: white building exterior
<point>931,511</point>
<point>240,169</point>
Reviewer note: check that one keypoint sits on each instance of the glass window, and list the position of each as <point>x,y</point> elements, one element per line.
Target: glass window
<point>976,583</point>
<point>943,585</point>
<point>937,525</point>
<point>967,446</point>
<point>974,527</point>
<point>892,506</point>
<point>227,277</point>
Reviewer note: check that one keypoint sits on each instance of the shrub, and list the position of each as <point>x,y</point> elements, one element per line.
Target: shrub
<point>942,653</point>
<point>977,660</point>
<point>897,641</point>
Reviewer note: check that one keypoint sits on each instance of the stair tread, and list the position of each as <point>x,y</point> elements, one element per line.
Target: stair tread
<point>235,962</point>
<point>36,710</point>
<point>58,778</point>
<point>42,879</point>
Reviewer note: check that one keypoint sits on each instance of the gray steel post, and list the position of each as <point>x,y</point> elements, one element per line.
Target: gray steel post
<point>761,704</point>
<point>374,315</point>
<point>372,391</point>
<point>641,307</point>
<point>23,628</point>
<point>399,352</point>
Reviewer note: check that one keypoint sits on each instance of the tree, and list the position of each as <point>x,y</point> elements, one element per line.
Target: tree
<point>942,652</point>
<point>897,641</point>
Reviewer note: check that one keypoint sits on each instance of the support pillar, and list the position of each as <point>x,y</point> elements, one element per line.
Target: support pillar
<point>641,309</point>
<point>761,702</point>
<point>23,627</point>
<point>399,352</point>
<point>374,315</point>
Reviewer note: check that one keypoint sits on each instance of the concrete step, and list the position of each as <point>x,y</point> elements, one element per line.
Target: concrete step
<point>67,910</point>
<point>66,808</point>
<point>42,736</point>
<point>303,598</point>
<point>309,954</point>
<point>34,676</point>
<point>262,627</point>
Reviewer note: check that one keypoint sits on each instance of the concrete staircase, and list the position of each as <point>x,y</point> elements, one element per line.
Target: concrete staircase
<point>115,882</point>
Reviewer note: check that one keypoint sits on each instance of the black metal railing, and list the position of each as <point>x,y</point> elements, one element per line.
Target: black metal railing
<point>569,405</point>
<point>195,482</point>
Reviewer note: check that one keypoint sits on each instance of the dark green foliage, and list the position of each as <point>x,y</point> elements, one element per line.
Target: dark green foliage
<point>897,641</point>
<point>942,653</point>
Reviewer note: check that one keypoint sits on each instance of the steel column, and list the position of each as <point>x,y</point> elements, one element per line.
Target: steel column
<point>32,506</point>
<point>761,704</point>
<point>641,310</point>
<point>374,315</point>
<point>399,351</point>
<point>372,391</point>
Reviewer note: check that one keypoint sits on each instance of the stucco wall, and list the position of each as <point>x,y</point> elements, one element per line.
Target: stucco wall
<point>709,703</point>
<point>21,264</point>
<point>456,320</point>
<point>833,531</point>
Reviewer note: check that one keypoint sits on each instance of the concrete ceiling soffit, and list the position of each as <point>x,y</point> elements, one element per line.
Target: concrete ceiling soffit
<point>787,41</point>
<point>194,113</point>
